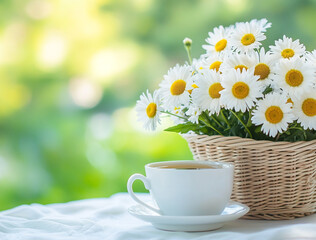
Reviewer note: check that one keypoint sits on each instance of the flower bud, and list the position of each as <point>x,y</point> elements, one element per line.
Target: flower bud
<point>187,42</point>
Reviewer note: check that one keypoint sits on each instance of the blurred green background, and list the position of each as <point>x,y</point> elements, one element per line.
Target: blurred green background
<point>71,72</point>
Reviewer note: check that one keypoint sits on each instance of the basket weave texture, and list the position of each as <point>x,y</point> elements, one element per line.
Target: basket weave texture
<point>277,180</point>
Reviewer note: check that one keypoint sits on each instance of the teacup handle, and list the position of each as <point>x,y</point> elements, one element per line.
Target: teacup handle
<point>146,182</point>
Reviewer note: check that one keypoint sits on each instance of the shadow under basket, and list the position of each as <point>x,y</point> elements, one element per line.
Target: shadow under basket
<point>277,180</point>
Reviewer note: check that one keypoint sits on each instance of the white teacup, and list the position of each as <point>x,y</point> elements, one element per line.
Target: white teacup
<point>186,188</point>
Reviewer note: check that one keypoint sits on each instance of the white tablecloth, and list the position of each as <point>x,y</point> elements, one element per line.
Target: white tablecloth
<point>107,218</point>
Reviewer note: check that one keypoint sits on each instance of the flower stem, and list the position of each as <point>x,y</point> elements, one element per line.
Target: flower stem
<point>298,128</point>
<point>188,49</point>
<point>174,115</point>
<point>249,118</point>
<point>206,122</point>
<point>217,122</point>
<point>225,119</point>
<point>250,135</point>
<point>277,136</point>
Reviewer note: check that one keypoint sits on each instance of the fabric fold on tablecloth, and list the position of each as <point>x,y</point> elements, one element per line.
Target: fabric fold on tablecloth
<point>107,218</point>
<point>59,221</point>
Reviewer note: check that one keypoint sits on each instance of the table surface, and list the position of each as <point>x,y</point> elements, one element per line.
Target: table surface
<point>107,218</point>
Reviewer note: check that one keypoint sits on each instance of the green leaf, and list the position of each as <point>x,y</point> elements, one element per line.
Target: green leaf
<point>268,90</point>
<point>258,129</point>
<point>183,128</point>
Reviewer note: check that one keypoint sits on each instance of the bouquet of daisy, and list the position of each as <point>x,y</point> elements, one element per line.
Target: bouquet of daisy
<point>237,88</point>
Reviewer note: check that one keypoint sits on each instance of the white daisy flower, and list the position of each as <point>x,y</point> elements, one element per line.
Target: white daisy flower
<point>238,61</point>
<point>174,88</point>
<point>273,113</point>
<point>194,78</point>
<point>289,100</point>
<point>212,62</point>
<point>207,95</point>
<point>193,112</point>
<point>148,110</point>
<point>192,87</point>
<point>241,90</point>
<point>263,67</point>
<point>230,28</point>
<point>197,64</point>
<point>311,58</point>
<point>178,111</point>
<point>248,35</point>
<point>263,23</point>
<point>218,41</point>
<point>305,109</point>
<point>294,76</point>
<point>287,48</point>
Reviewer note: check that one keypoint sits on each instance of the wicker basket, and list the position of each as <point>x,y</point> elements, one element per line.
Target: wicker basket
<point>277,180</point>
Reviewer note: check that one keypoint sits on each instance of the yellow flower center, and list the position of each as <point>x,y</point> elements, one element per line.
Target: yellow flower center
<point>287,53</point>
<point>241,67</point>
<point>274,114</point>
<point>294,78</point>
<point>240,90</point>
<point>215,65</point>
<point>220,45</point>
<point>178,87</point>
<point>309,107</point>
<point>289,100</point>
<point>214,90</point>
<point>151,110</point>
<point>194,86</point>
<point>248,39</point>
<point>200,68</point>
<point>262,70</point>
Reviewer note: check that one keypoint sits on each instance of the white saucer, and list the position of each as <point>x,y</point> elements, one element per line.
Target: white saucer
<point>233,211</point>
